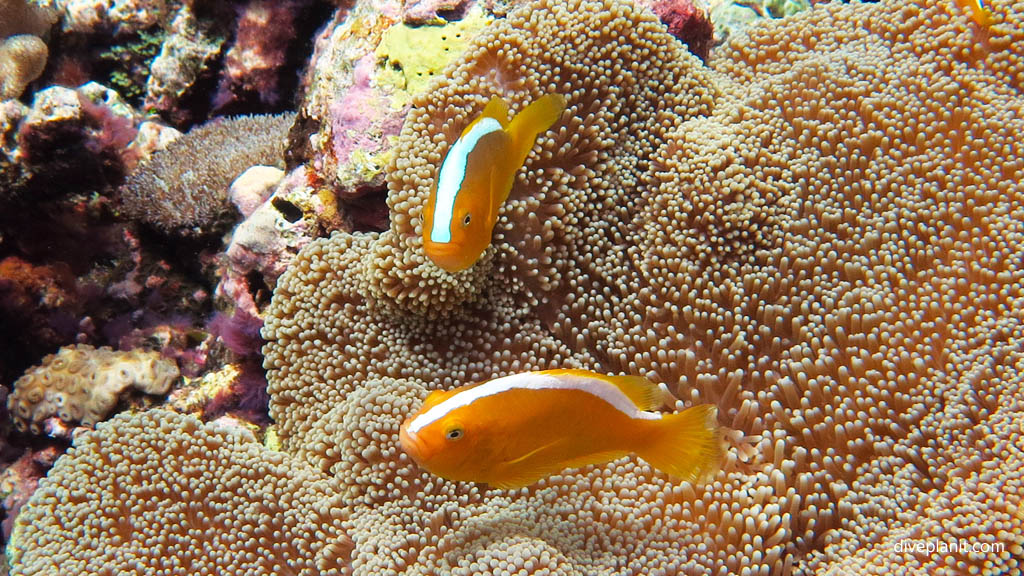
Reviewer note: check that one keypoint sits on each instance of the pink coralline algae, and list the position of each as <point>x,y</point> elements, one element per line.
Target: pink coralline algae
<point>362,122</point>
<point>429,11</point>
<point>19,480</point>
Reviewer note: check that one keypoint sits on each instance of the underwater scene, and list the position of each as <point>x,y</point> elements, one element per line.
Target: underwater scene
<point>512,287</point>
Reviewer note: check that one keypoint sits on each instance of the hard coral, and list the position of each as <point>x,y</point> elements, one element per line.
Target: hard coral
<point>184,188</point>
<point>22,59</point>
<point>82,384</point>
<point>213,502</point>
<point>22,53</point>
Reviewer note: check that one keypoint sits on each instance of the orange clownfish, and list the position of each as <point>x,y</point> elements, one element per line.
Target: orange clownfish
<point>977,10</point>
<point>512,431</point>
<point>476,177</point>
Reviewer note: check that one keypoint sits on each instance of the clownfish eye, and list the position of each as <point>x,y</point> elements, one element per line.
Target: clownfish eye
<point>453,434</point>
<point>465,221</point>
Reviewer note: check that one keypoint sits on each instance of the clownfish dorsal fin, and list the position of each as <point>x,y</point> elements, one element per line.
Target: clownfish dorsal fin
<point>496,108</point>
<point>438,396</point>
<point>532,121</point>
<point>646,395</point>
<point>434,398</point>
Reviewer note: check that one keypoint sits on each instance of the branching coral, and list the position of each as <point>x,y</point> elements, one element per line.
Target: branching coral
<point>161,493</point>
<point>821,240</point>
<point>184,188</point>
<point>82,384</point>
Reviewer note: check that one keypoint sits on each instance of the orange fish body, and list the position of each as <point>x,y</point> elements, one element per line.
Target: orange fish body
<point>476,177</point>
<point>512,431</point>
<point>977,11</point>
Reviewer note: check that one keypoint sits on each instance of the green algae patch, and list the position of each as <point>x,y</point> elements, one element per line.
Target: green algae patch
<point>413,55</point>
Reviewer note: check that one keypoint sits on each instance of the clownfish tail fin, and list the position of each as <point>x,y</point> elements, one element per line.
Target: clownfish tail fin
<point>531,121</point>
<point>686,445</point>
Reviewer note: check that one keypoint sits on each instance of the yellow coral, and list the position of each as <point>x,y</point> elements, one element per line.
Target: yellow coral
<point>22,59</point>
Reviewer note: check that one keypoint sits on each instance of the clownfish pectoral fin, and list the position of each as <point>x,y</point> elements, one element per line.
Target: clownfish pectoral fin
<point>530,467</point>
<point>687,444</point>
<point>531,121</point>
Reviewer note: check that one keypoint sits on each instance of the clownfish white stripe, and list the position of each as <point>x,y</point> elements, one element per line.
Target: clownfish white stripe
<point>533,381</point>
<point>453,172</point>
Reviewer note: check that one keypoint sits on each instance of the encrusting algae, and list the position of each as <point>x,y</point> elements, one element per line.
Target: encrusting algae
<point>818,234</point>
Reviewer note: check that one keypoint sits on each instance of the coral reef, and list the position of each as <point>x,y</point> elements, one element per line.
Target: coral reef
<point>75,274</point>
<point>818,232</point>
<point>187,61</point>
<point>183,189</point>
<point>81,384</point>
<point>214,502</point>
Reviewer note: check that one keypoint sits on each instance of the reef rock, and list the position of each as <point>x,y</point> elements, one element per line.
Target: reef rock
<point>74,139</point>
<point>367,65</point>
